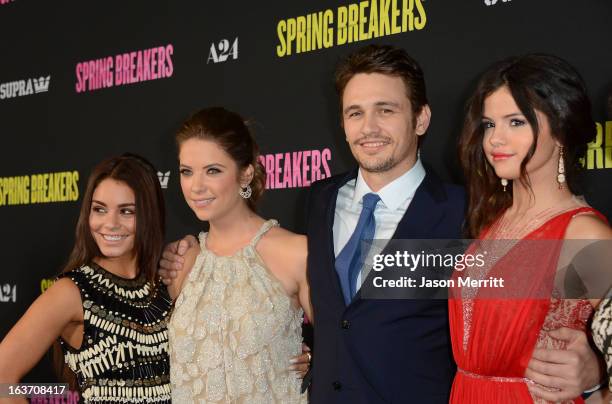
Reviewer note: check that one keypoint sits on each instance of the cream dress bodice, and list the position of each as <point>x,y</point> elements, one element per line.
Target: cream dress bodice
<point>233,332</point>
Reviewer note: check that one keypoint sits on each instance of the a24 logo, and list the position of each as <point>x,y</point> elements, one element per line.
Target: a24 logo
<point>8,293</point>
<point>222,51</point>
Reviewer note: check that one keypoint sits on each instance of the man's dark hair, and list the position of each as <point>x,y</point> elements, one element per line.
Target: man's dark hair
<point>389,60</point>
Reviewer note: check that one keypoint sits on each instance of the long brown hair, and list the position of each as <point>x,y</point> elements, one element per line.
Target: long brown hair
<point>229,131</point>
<point>536,81</point>
<point>139,174</point>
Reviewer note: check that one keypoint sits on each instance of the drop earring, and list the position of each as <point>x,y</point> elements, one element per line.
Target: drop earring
<point>561,169</point>
<point>246,192</point>
<point>504,183</point>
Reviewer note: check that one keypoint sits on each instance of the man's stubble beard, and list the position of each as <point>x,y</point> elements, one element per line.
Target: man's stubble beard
<point>378,166</point>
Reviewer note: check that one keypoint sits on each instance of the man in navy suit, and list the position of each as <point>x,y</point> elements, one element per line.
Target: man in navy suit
<point>365,350</point>
<point>384,350</point>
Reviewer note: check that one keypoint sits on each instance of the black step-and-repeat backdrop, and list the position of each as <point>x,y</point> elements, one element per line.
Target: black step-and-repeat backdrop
<point>80,81</point>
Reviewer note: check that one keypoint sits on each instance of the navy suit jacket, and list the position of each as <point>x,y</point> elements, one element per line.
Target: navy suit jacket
<point>380,351</point>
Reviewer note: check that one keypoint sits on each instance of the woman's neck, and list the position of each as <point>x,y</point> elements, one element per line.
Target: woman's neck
<point>233,230</point>
<point>541,195</point>
<point>124,266</point>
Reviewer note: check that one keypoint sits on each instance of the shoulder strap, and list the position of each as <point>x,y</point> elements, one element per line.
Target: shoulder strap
<point>588,209</point>
<point>267,225</point>
<point>77,276</point>
<point>202,239</point>
<point>556,226</point>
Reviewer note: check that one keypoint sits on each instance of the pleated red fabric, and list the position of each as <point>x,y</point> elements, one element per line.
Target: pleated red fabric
<point>493,337</point>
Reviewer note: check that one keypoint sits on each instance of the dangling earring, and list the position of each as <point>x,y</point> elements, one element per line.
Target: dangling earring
<point>561,169</point>
<point>246,192</point>
<point>504,183</point>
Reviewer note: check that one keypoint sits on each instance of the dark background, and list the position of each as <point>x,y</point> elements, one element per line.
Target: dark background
<point>290,100</point>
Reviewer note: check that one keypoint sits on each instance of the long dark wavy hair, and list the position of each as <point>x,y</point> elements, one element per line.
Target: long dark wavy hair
<point>139,174</point>
<point>540,82</point>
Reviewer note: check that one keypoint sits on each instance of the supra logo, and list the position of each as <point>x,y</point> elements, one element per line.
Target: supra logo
<point>494,2</point>
<point>8,293</point>
<point>220,52</point>
<point>163,178</point>
<point>41,84</point>
<point>20,88</point>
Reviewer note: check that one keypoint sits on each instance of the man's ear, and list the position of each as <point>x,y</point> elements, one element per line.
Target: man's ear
<point>422,120</point>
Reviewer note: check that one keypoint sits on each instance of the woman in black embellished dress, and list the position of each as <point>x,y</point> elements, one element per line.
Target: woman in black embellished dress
<point>107,308</point>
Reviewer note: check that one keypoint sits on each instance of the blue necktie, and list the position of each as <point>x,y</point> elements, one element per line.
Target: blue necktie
<point>350,260</point>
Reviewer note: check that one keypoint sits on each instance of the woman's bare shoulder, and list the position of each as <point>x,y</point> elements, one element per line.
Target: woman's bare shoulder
<point>285,243</point>
<point>588,226</point>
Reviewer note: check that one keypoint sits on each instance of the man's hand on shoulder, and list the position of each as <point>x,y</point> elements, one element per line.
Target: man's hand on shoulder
<point>177,260</point>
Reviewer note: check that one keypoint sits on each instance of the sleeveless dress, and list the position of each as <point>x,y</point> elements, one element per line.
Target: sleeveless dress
<point>124,353</point>
<point>493,339</point>
<point>233,332</point>
<point>602,332</point>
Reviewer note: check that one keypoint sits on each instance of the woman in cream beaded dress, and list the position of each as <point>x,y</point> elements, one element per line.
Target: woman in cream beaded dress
<point>238,316</point>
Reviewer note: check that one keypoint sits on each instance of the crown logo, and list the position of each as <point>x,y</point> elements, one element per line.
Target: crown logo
<point>163,179</point>
<point>41,84</point>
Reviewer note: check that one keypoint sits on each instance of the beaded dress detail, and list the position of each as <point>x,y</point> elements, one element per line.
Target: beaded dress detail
<point>124,353</point>
<point>233,332</point>
<point>602,332</point>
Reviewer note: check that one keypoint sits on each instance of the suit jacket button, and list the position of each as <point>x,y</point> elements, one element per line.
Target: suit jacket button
<point>346,324</point>
<point>337,385</point>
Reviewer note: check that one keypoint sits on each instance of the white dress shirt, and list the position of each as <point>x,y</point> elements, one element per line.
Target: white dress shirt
<point>395,198</point>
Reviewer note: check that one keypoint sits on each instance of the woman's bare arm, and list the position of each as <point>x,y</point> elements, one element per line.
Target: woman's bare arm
<point>38,328</point>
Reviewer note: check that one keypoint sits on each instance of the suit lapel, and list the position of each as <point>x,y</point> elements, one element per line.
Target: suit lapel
<point>330,201</point>
<point>422,215</point>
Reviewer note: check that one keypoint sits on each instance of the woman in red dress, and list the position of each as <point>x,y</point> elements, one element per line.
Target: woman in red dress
<point>527,126</point>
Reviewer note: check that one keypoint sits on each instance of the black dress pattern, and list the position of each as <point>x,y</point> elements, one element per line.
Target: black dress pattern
<point>602,332</point>
<point>124,354</point>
